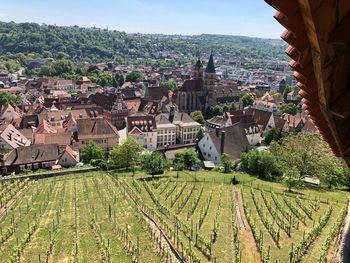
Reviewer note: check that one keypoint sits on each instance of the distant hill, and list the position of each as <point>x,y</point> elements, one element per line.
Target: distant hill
<point>101,45</point>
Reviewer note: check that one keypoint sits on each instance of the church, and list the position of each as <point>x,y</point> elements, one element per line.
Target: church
<point>205,89</point>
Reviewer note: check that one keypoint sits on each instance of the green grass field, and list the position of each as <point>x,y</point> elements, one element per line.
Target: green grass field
<point>101,217</point>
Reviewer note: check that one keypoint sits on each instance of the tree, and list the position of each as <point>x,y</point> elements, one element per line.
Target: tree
<point>185,159</point>
<point>198,116</point>
<point>92,152</point>
<point>134,76</point>
<point>7,97</point>
<point>117,81</point>
<point>302,151</point>
<point>170,84</point>
<point>247,100</point>
<point>226,163</point>
<point>286,91</point>
<point>272,135</point>
<point>153,163</point>
<point>12,66</point>
<point>289,108</point>
<point>200,134</point>
<point>292,178</point>
<point>261,163</point>
<point>332,171</point>
<point>126,155</point>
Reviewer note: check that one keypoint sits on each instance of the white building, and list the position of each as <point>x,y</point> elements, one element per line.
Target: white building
<point>229,140</point>
<point>143,128</point>
<point>166,131</point>
<point>186,128</point>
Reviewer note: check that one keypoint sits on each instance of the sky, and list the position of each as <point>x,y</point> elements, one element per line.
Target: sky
<point>186,17</point>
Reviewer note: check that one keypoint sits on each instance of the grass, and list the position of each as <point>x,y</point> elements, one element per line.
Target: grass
<point>55,201</point>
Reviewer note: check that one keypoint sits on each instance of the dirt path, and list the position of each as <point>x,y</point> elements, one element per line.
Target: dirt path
<point>250,253</point>
<point>345,243</point>
<point>238,204</point>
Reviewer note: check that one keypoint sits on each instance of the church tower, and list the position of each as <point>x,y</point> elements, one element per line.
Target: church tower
<point>210,76</point>
<point>198,70</point>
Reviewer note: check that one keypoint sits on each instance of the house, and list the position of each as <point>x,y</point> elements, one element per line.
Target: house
<point>143,128</point>
<point>31,157</point>
<point>68,157</point>
<point>115,110</point>
<point>230,140</point>
<point>217,122</point>
<point>100,131</point>
<point>295,123</point>
<point>264,119</point>
<point>10,114</point>
<point>46,134</point>
<point>247,121</point>
<point>11,138</point>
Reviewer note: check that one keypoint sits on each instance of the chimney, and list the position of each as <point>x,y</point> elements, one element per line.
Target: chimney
<point>222,142</point>
<point>172,114</point>
<point>217,131</point>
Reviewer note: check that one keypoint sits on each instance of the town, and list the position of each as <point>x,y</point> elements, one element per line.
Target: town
<point>165,109</point>
<point>195,135</point>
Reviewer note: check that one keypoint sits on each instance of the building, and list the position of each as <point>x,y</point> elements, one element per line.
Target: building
<point>264,119</point>
<point>11,138</point>
<point>114,108</point>
<point>99,131</point>
<point>31,157</point>
<point>186,128</point>
<point>205,89</point>
<point>143,128</point>
<point>166,130</point>
<point>229,140</point>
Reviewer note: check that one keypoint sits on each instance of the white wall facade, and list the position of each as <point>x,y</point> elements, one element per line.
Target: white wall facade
<point>208,150</point>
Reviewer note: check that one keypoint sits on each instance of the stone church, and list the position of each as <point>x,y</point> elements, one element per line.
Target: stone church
<point>205,89</point>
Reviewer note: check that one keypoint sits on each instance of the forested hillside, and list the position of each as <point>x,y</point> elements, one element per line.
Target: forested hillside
<point>101,45</point>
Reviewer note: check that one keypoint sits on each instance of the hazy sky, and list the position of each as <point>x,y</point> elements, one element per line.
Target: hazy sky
<point>233,17</point>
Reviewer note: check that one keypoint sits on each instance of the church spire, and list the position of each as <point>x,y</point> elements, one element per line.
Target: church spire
<point>199,63</point>
<point>210,67</point>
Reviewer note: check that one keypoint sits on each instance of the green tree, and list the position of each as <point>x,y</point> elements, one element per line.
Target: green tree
<point>153,163</point>
<point>302,151</point>
<point>226,163</point>
<point>127,155</point>
<point>134,76</point>
<point>200,134</point>
<point>117,81</point>
<point>272,135</point>
<point>170,84</point>
<point>247,100</point>
<point>286,91</point>
<point>7,97</point>
<point>185,159</point>
<point>289,108</point>
<point>198,116</point>
<point>91,152</point>
<point>261,163</point>
<point>332,171</point>
<point>12,66</point>
<point>292,178</point>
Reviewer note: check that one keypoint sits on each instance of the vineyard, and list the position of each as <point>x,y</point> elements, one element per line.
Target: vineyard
<point>97,217</point>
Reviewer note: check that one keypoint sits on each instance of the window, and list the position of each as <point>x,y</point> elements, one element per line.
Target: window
<point>203,145</point>
<point>209,155</point>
